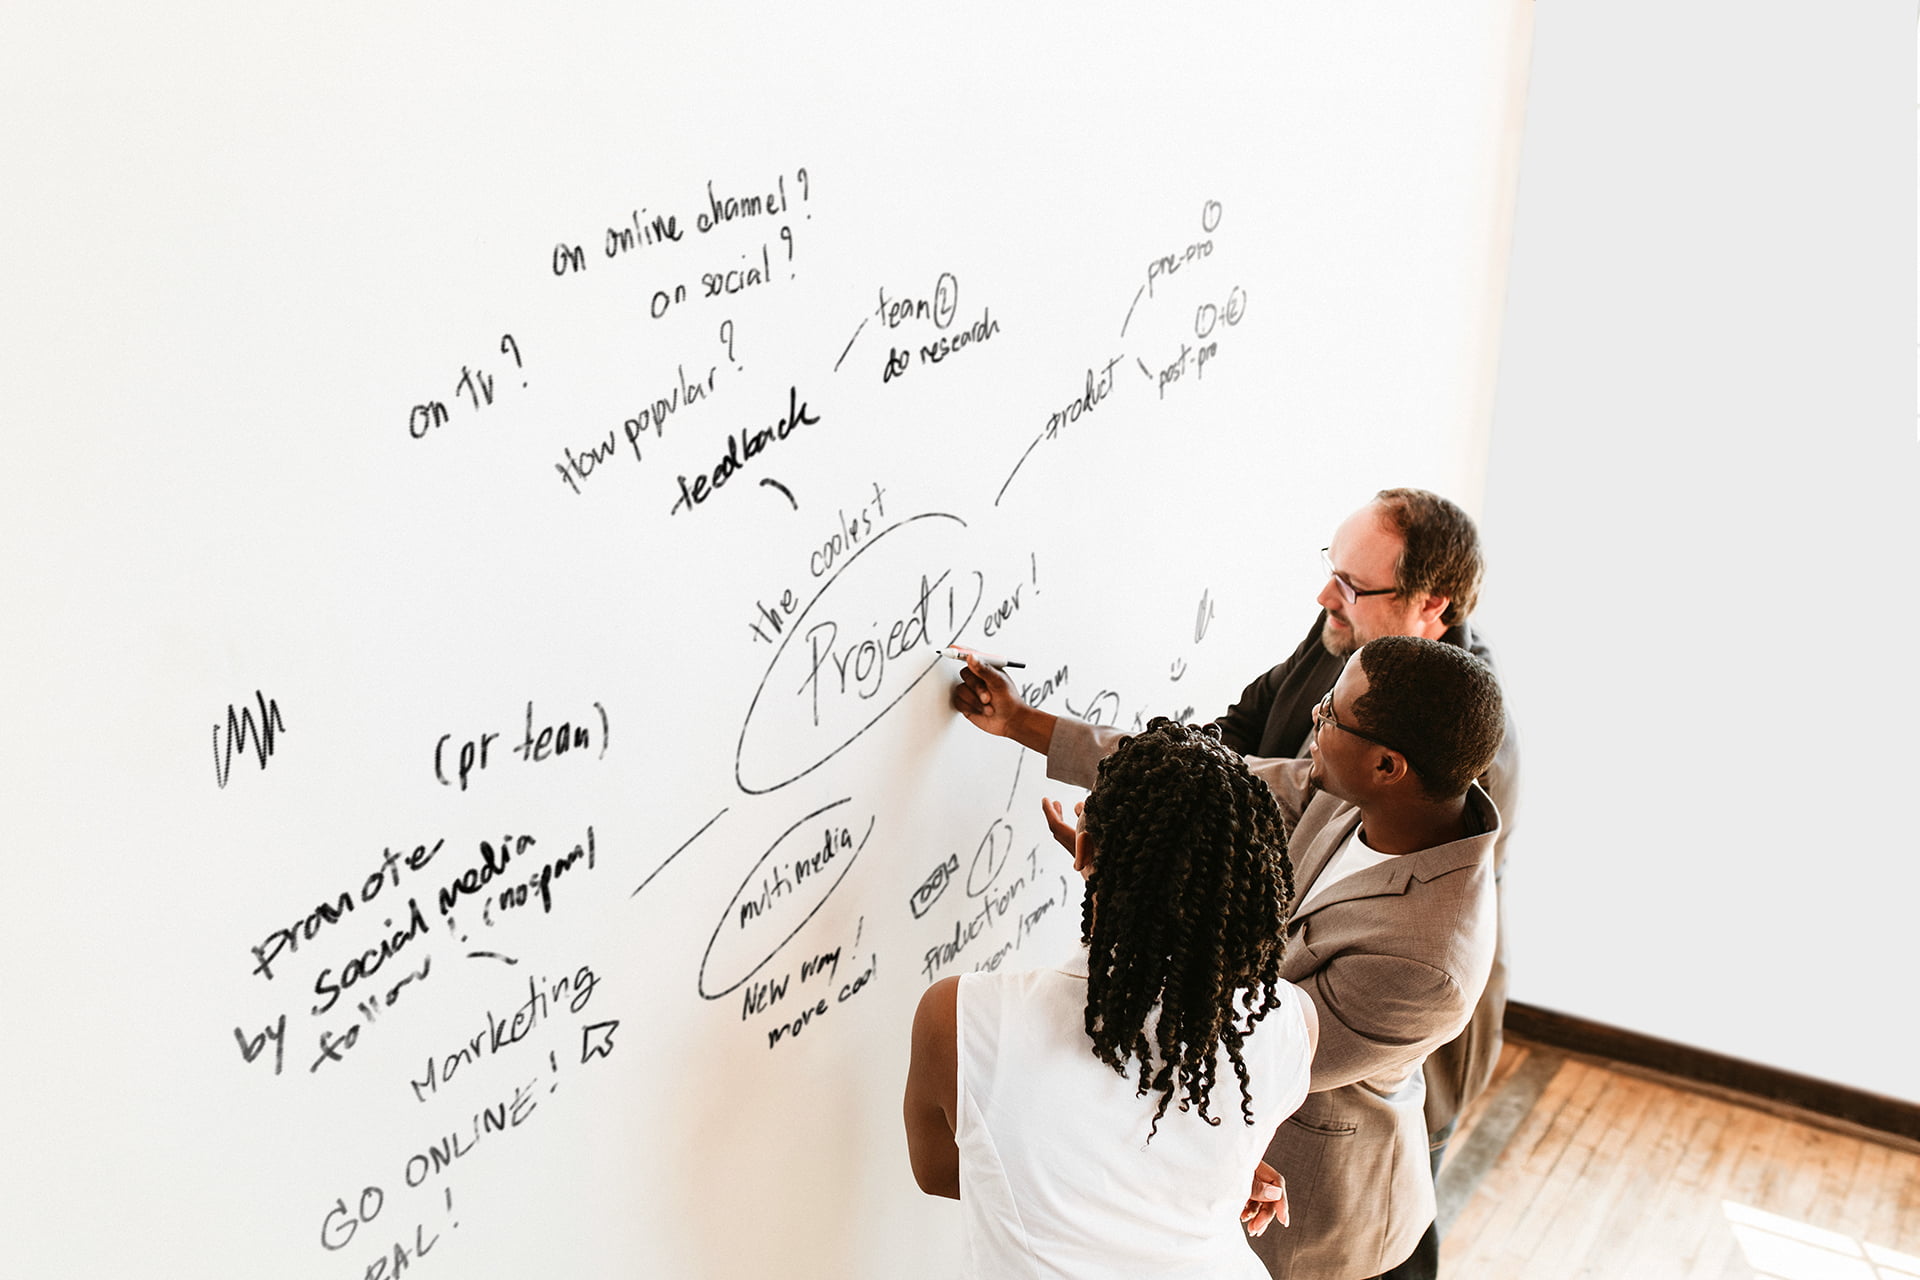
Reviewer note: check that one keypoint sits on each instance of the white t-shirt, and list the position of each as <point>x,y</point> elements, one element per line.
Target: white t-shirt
<point>1057,1178</point>
<point>1351,857</point>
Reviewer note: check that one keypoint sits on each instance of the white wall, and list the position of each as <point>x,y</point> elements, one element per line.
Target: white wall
<point>239,244</point>
<point>1702,514</point>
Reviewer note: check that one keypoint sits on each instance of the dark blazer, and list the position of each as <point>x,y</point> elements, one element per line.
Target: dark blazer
<point>1272,718</point>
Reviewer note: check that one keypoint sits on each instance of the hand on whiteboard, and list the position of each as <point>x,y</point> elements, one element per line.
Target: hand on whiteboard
<point>1267,1200</point>
<point>987,697</point>
<point>1064,831</point>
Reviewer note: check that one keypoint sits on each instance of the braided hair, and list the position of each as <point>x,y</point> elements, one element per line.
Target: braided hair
<point>1192,886</point>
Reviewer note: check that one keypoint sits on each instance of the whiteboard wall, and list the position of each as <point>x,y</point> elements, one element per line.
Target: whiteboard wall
<point>482,495</point>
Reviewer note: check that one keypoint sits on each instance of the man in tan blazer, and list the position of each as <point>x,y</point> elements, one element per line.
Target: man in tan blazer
<point>1409,563</point>
<point>1392,935</point>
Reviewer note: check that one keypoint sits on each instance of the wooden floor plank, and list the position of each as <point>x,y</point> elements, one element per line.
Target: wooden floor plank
<point>1905,1236</point>
<point>1513,1055</point>
<point>1512,1176</point>
<point>1749,1182</point>
<point>1623,1175</point>
<point>1674,1235</point>
<point>1626,1183</point>
<point>1537,1149</point>
<point>1567,1231</point>
<point>1472,1156</point>
<point>1650,1166</point>
<point>1522,1080</point>
<point>1839,1169</point>
<point>1863,1193</point>
<point>1883,1217</point>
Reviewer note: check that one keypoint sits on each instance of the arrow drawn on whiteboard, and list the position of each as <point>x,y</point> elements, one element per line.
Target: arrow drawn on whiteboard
<point>596,1041</point>
<point>782,488</point>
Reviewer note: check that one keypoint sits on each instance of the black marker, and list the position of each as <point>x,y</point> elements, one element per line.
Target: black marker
<point>993,660</point>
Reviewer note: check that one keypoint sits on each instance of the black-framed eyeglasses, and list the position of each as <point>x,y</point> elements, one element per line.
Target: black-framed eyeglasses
<point>1348,591</point>
<point>1323,715</point>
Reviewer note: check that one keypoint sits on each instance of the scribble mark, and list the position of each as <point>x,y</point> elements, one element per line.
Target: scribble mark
<point>240,727</point>
<point>677,852</point>
<point>1144,371</point>
<point>490,955</point>
<point>782,488</point>
<point>1178,669</point>
<point>1018,763</point>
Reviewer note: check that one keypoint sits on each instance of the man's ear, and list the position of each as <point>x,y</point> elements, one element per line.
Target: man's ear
<point>1431,610</point>
<point>1390,768</point>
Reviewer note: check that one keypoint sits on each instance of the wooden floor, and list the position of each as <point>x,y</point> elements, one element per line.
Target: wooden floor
<point>1569,1167</point>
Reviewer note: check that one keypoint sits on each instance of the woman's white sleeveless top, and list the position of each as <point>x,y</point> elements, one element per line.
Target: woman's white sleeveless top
<point>1057,1178</point>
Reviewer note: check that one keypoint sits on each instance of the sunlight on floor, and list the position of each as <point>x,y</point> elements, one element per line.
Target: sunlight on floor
<point>1780,1248</point>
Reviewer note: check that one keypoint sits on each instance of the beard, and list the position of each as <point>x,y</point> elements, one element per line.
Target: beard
<point>1337,641</point>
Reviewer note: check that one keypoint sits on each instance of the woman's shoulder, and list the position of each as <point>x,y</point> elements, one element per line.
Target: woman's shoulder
<point>1290,1027</point>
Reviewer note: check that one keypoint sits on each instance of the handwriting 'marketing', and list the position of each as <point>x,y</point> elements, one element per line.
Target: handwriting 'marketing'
<point>504,1032</point>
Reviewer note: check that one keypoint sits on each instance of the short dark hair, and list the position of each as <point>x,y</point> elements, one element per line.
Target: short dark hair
<point>1437,704</point>
<point>1441,552</point>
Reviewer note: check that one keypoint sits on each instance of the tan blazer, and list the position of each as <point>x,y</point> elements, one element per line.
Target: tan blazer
<point>1394,959</point>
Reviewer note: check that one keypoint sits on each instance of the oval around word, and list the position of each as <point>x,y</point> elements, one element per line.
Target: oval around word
<point>792,880</point>
<point>871,633</point>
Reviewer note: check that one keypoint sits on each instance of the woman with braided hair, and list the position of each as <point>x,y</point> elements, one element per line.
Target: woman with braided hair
<point>1102,1118</point>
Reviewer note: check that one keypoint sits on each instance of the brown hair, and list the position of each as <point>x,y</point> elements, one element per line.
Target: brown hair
<point>1441,551</point>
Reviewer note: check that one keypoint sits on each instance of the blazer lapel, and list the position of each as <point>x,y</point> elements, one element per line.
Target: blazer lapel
<point>1322,829</point>
<point>1327,823</point>
<point>1390,877</point>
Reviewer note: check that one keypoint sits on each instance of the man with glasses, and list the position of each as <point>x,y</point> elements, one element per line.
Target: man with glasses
<point>1406,564</point>
<point>1392,841</point>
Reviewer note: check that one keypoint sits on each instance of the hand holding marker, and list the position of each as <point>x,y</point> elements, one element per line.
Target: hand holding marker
<point>994,660</point>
